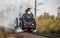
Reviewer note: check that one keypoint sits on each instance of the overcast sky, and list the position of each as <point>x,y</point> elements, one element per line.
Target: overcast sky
<point>10,9</point>
<point>49,6</point>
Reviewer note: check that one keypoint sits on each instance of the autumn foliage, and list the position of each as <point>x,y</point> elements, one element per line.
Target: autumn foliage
<point>48,23</point>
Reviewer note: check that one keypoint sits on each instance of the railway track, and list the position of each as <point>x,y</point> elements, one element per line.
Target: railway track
<point>38,35</point>
<point>29,35</point>
<point>47,35</point>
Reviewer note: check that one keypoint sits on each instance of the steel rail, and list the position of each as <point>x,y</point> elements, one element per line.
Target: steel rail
<point>46,35</point>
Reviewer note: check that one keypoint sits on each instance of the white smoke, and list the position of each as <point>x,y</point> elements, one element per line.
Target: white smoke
<point>9,10</point>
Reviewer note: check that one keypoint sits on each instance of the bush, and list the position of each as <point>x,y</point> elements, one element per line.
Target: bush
<point>48,25</point>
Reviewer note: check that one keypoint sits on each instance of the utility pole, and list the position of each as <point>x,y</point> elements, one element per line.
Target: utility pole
<point>58,12</point>
<point>35,7</point>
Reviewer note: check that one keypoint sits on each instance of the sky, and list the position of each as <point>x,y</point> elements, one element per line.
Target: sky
<point>49,6</point>
<point>10,9</point>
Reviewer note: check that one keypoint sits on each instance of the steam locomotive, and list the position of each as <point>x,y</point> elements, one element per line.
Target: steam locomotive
<point>27,22</point>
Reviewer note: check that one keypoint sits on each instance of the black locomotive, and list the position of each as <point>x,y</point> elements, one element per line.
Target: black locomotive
<point>27,22</point>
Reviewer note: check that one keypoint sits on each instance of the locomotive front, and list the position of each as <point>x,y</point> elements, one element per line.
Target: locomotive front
<point>28,22</point>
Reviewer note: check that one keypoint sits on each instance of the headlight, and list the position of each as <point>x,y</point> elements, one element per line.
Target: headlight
<point>28,12</point>
<point>32,24</point>
<point>24,24</point>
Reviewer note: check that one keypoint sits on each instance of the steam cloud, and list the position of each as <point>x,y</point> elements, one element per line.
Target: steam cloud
<point>9,10</point>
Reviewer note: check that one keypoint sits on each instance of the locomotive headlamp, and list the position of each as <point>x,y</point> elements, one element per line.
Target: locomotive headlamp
<point>32,24</point>
<point>24,24</point>
<point>28,12</point>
